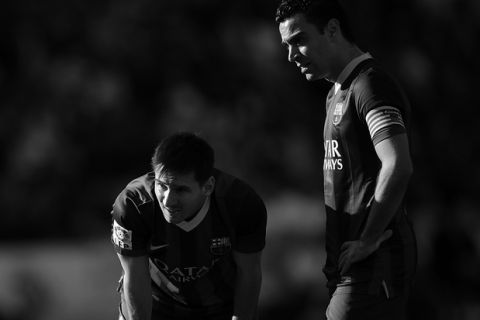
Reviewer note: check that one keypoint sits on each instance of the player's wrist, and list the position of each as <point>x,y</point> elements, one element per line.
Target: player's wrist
<point>369,240</point>
<point>374,241</point>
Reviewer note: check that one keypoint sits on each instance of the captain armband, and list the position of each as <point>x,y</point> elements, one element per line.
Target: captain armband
<point>384,122</point>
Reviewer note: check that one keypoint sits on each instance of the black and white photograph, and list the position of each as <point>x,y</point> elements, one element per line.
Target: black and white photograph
<point>239,160</point>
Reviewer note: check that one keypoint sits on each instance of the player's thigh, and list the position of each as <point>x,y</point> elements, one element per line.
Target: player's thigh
<point>345,305</point>
<point>167,310</point>
<point>163,312</point>
<point>219,312</point>
<point>183,313</point>
<point>120,313</point>
<point>175,311</point>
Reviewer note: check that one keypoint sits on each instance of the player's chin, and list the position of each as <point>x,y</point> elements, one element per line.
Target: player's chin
<point>311,76</point>
<point>174,219</point>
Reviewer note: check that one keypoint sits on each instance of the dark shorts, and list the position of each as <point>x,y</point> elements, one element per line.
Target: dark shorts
<point>346,304</point>
<point>174,311</point>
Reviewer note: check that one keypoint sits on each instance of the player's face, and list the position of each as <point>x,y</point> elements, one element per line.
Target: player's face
<point>180,196</point>
<point>309,49</point>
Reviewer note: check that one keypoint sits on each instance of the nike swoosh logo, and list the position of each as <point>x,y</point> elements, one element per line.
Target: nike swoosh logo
<point>152,247</point>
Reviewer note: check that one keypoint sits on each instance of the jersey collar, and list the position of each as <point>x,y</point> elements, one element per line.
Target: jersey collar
<point>190,225</point>
<point>349,68</point>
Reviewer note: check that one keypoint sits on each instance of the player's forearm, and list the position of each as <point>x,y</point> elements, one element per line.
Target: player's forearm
<point>247,291</point>
<point>389,192</point>
<point>138,300</point>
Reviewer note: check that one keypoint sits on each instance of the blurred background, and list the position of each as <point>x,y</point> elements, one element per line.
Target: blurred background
<point>88,87</point>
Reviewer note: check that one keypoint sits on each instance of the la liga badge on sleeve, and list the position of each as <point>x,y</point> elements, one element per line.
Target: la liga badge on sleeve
<point>121,236</point>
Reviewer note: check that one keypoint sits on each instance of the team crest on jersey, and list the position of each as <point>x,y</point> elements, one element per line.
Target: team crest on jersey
<point>121,236</point>
<point>220,246</point>
<point>338,113</point>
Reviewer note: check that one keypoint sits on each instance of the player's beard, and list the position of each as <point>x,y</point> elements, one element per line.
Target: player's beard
<point>174,216</point>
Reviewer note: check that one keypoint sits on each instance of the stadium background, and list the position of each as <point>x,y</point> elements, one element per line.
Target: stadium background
<point>87,87</point>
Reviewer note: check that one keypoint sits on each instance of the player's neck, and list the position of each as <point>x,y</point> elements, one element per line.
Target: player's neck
<point>202,207</point>
<point>350,52</point>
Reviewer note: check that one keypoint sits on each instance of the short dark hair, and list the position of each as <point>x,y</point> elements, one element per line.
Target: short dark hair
<point>317,12</point>
<point>185,152</point>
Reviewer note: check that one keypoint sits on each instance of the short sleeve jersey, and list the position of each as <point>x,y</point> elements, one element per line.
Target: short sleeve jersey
<point>351,164</point>
<point>194,268</point>
<point>367,108</point>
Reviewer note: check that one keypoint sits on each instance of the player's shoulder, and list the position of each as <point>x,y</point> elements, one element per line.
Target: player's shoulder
<point>139,190</point>
<point>238,195</point>
<point>369,72</point>
<point>227,185</point>
<point>239,202</point>
<point>372,74</point>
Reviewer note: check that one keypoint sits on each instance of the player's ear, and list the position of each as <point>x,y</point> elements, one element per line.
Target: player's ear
<point>209,186</point>
<point>332,28</point>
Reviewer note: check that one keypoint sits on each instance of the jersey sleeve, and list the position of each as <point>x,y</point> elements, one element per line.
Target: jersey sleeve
<point>130,235</point>
<point>381,105</point>
<point>251,225</point>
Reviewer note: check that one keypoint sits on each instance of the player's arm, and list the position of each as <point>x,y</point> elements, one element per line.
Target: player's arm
<point>247,285</point>
<point>137,289</point>
<point>247,253</point>
<point>391,185</point>
<point>392,181</point>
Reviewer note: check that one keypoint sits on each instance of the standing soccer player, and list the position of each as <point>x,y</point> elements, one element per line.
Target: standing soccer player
<point>370,244</point>
<point>189,238</point>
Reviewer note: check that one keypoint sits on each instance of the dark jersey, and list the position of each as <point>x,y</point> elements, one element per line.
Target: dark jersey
<point>367,108</point>
<point>194,268</point>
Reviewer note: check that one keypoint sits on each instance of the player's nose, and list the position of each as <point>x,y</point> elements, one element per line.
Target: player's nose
<point>169,199</point>
<point>292,53</point>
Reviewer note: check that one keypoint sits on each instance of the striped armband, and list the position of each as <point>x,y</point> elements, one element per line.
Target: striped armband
<point>382,119</point>
<point>121,236</point>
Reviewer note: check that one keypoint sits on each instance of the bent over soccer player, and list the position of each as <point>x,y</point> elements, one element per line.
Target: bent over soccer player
<point>370,244</point>
<point>189,238</point>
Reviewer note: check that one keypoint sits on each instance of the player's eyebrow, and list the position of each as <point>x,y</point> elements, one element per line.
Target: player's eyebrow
<point>172,184</point>
<point>292,38</point>
<point>161,181</point>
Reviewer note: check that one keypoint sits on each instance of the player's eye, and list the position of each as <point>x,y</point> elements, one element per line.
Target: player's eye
<point>298,41</point>
<point>162,186</point>
<point>182,189</point>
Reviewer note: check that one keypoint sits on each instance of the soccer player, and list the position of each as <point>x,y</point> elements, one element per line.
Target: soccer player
<point>189,238</point>
<point>370,244</point>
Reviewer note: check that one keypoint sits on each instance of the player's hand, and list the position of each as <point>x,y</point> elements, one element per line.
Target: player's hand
<point>354,251</point>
